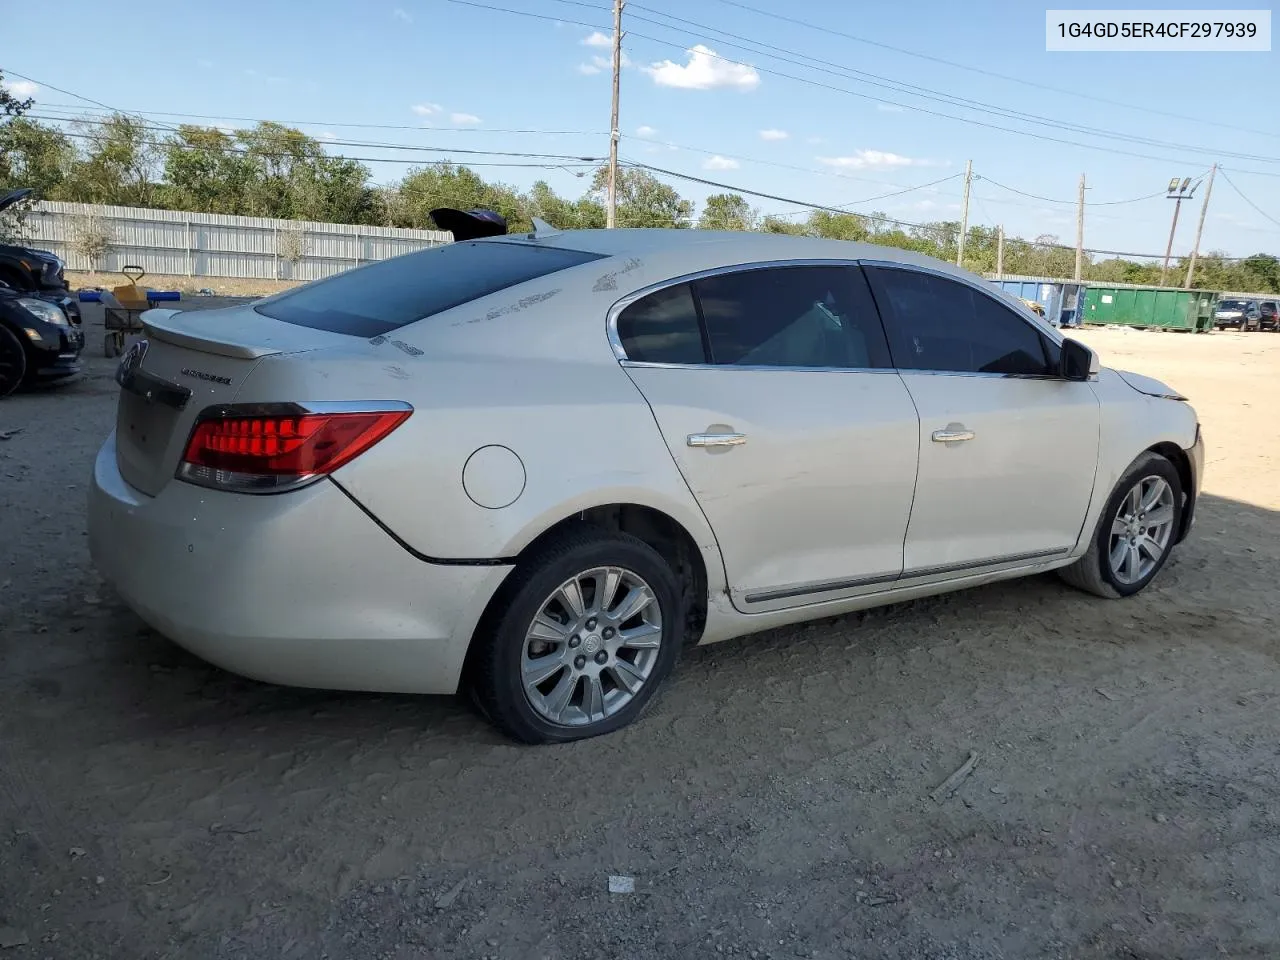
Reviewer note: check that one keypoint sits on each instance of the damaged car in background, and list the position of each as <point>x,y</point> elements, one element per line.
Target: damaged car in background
<point>537,466</point>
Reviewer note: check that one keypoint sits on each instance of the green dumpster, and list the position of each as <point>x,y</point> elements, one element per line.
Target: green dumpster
<point>1161,308</point>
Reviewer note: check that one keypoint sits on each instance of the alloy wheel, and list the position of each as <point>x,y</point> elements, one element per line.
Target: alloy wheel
<point>591,647</point>
<point>1141,530</point>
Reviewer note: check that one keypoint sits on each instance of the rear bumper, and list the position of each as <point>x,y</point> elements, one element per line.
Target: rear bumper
<point>299,588</point>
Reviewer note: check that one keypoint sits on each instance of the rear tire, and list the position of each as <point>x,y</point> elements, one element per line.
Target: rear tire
<point>599,665</point>
<point>13,362</point>
<point>1142,515</point>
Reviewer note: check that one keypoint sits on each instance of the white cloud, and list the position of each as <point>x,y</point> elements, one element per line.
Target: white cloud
<point>426,109</point>
<point>888,108</point>
<point>597,39</point>
<point>815,140</point>
<point>774,135</point>
<point>22,88</point>
<point>402,15</point>
<point>600,64</point>
<point>464,119</point>
<point>870,159</point>
<point>720,163</point>
<point>704,71</point>
<point>645,131</point>
<point>328,135</point>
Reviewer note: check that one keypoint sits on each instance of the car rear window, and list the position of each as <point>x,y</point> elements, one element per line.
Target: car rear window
<point>384,296</point>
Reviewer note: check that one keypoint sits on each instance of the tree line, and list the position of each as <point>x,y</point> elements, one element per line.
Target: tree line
<point>271,170</point>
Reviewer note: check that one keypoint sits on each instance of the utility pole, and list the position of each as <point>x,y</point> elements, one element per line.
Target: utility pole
<point>611,212</point>
<point>1080,231</point>
<point>964,216</point>
<point>1000,252</point>
<point>1195,248</point>
<point>1178,191</point>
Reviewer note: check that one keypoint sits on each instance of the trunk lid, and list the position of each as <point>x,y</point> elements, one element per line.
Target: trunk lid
<point>186,363</point>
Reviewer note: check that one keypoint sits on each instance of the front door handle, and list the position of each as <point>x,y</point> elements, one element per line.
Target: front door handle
<point>952,435</point>
<point>716,439</point>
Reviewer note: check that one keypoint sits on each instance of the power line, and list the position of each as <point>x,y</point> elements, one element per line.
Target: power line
<point>335,123</point>
<point>883,196</point>
<point>1087,203</point>
<point>826,86</point>
<point>1247,200</point>
<point>341,143</point>
<point>1022,81</point>
<point>772,51</point>
<point>896,221</point>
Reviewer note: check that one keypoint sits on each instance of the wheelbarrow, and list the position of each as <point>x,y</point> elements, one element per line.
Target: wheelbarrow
<point>123,307</point>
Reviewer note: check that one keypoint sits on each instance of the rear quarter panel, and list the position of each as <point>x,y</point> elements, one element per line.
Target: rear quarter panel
<point>529,369</point>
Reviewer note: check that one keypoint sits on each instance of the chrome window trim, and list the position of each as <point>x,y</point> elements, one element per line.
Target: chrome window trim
<point>615,311</point>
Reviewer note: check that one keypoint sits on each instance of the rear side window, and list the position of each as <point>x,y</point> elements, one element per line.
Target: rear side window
<point>384,296</point>
<point>939,324</point>
<point>663,328</point>
<point>803,316</point>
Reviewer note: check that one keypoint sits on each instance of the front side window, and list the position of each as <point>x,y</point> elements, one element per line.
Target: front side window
<point>384,296</point>
<point>939,324</point>
<point>803,316</point>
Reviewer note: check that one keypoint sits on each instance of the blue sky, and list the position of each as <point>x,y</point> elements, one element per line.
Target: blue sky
<point>459,77</point>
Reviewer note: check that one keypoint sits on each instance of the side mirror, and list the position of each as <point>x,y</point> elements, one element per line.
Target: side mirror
<point>1078,361</point>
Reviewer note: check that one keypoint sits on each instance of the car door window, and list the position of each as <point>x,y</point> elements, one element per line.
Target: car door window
<point>802,316</point>
<point>939,324</point>
<point>663,328</point>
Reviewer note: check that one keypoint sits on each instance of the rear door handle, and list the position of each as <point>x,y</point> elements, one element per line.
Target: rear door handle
<point>952,435</point>
<point>716,439</point>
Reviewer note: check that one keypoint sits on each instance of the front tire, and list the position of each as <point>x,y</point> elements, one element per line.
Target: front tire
<point>13,362</point>
<point>1136,532</point>
<point>579,638</point>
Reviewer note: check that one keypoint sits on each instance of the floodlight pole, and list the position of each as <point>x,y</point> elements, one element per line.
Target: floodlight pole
<point>1178,191</point>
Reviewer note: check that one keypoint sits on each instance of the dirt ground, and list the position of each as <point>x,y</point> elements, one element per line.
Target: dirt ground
<point>775,803</point>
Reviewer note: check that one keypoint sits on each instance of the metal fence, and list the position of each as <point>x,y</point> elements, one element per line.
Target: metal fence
<point>174,243</point>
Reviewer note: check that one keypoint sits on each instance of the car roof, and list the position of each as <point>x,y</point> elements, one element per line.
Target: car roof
<point>728,247</point>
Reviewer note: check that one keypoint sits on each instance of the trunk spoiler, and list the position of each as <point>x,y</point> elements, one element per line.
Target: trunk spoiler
<point>159,323</point>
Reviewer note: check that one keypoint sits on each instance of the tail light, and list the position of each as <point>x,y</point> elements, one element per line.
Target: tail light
<point>270,449</point>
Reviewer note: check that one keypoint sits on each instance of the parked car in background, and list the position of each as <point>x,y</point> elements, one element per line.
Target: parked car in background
<point>1240,314</point>
<point>538,466</point>
<point>36,273</point>
<point>1269,315</point>
<point>37,340</point>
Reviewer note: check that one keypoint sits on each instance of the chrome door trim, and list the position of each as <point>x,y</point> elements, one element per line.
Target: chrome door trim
<point>715,439</point>
<point>948,571</point>
<point>952,436</point>
<point>656,365</point>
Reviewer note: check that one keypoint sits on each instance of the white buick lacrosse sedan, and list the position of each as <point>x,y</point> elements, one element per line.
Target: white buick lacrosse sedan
<point>537,465</point>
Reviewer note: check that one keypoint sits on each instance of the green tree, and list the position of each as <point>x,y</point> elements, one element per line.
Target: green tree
<point>34,155</point>
<point>453,185</point>
<point>643,199</point>
<point>120,164</point>
<point>776,224</point>
<point>205,171</point>
<point>583,214</point>
<point>838,226</point>
<point>728,211</point>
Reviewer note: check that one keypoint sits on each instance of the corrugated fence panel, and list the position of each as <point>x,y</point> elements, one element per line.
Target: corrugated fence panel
<point>175,243</point>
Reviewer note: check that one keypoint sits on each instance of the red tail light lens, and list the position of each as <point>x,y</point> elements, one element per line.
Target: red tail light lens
<point>267,452</point>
